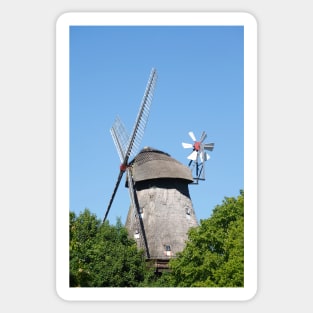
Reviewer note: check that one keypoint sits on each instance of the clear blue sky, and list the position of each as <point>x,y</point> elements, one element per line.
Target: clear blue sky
<point>199,88</point>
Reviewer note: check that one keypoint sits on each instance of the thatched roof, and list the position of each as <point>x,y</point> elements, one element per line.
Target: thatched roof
<point>155,164</point>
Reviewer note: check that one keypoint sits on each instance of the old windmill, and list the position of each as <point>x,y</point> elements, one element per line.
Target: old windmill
<point>198,156</point>
<point>161,210</point>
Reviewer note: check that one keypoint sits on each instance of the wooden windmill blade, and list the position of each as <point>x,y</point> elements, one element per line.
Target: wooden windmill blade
<point>120,137</point>
<point>142,116</point>
<point>127,146</point>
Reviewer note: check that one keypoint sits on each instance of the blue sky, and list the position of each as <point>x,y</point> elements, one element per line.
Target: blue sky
<point>199,88</point>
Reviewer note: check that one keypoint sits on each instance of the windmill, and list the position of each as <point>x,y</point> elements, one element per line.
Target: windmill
<point>198,156</point>
<point>160,212</point>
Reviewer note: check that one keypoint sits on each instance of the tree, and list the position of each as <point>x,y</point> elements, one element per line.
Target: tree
<point>102,255</point>
<point>214,253</point>
<point>83,231</point>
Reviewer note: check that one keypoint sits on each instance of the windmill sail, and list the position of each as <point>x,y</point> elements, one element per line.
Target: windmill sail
<point>120,137</point>
<point>142,116</point>
<point>120,175</point>
<point>127,146</point>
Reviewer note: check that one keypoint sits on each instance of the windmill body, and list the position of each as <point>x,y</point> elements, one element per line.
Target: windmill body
<point>164,207</point>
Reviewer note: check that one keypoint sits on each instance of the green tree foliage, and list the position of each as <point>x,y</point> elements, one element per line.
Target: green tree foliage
<point>102,255</point>
<point>214,253</point>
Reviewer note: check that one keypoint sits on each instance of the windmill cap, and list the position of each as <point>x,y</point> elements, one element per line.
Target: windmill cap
<point>151,163</point>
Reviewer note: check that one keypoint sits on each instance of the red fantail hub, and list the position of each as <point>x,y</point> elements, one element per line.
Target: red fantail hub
<point>197,145</point>
<point>123,167</point>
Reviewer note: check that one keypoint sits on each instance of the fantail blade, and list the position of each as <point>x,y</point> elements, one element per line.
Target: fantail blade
<point>192,136</point>
<point>208,146</point>
<point>193,156</point>
<point>187,145</point>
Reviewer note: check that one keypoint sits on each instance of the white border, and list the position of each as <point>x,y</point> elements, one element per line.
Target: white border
<point>62,155</point>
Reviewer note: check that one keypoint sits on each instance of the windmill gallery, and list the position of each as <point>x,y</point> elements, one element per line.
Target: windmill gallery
<point>161,211</point>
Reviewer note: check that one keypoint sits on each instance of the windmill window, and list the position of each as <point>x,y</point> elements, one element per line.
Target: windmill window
<point>188,212</point>
<point>136,235</point>
<point>167,250</point>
